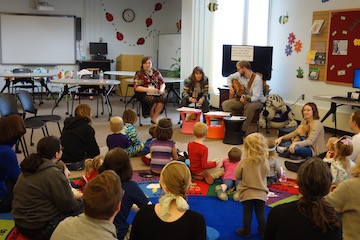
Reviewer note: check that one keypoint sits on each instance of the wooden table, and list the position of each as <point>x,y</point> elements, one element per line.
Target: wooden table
<point>87,82</point>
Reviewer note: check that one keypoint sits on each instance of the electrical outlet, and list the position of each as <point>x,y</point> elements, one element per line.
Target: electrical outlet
<point>303,96</point>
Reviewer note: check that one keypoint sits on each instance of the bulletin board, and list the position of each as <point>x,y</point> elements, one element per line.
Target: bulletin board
<point>344,47</point>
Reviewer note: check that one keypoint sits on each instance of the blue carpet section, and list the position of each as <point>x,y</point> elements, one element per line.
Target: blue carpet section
<point>224,217</point>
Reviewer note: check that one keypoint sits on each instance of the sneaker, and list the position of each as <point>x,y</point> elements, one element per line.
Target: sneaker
<point>236,197</point>
<point>280,149</point>
<point>222,195</point>
<point>218,188</point>
<point>208,178</point>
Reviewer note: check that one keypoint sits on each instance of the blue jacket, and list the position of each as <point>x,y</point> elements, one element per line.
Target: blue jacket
<point>9,167</point>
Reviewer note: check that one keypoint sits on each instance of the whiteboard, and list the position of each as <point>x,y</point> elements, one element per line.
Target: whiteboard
<point>30,39</point>
<point>168,46</point>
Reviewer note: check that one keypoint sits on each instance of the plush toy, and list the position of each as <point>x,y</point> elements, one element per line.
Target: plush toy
<point>277,113</point>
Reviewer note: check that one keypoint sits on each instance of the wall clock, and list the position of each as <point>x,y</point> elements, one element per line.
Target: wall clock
<point>128,15</point>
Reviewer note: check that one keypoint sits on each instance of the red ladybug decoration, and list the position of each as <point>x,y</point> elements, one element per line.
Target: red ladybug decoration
<point>109,17</point>
<point>148,22</point>
<point>119,36</point>
<point>140,41</point>
<point>158,6</point>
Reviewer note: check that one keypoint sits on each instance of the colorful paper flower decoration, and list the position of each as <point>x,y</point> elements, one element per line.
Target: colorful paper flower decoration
<point>298,46</point>
<point>288,50</point>
<point>291,38</point>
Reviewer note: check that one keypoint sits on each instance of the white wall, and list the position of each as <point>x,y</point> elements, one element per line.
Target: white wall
<point>95,25</point>
<point>284,81</point>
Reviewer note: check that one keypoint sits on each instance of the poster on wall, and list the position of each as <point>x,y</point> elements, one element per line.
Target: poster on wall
<point>340,47</point>
<point>239,53</point>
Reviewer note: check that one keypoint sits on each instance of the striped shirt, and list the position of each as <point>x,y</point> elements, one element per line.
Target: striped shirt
<point>161,154</point>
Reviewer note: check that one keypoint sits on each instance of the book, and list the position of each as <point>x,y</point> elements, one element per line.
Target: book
<point>320,58</point>
<point>311,56</point>
<point>313,73</point>
<point>316,26</point>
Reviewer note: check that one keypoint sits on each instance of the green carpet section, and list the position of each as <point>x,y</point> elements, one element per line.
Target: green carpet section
<point>285,200</point>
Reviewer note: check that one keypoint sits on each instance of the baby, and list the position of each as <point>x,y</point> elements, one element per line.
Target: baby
<point>330,154</point>
<point>302,132</point>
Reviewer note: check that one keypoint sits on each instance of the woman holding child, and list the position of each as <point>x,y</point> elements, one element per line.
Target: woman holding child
<point>314,144</point>
<point>149,89</point>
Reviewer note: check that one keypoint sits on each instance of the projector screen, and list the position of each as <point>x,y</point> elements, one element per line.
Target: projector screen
<point>32,40</point>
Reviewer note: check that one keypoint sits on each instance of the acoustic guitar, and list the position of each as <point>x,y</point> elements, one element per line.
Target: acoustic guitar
<point>239,89</point>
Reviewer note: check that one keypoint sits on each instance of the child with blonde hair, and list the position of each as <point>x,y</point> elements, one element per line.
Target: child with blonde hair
<point>136,145</point>
<point>252,171</point>
<point>117,139</point>
<point>92,166</point>
<point>229,180</point>
<point>146,149</point>
<point>330,154</point>
<point>274,173</point>
<point>162,148</point>
<point>341,165</point>
<point>200,167</point>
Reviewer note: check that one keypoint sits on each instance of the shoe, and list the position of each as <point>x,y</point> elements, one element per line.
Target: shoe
<point>295,157</point>
<point>222,195</point>
<point>236,197</point>
<point>280,149</point>
<point>294,167</point>
<point>218,188</point>
<point>208,178</point>
<point>244,232</point>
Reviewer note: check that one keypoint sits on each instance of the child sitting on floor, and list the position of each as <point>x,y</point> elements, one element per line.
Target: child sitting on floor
<point>146,149</point>
<point>198,155</point>
<point>330,154</point>
<point>274,173</point>
<point>229,180</point>
<point>341,166</point>
<point>302,132</point>
<point>136,145</point>
<point>117,139</point>
<point>92,166</point>
<point>162,148</point>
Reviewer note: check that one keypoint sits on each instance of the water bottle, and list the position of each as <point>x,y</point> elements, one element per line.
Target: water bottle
<point>283,175</point>
<point>101,75</point>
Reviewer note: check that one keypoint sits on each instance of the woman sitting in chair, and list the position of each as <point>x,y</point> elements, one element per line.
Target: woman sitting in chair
<point>196,89</point>
<point>149,89</point>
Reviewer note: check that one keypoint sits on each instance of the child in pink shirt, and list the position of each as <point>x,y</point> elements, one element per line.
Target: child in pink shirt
<point>229,180</point>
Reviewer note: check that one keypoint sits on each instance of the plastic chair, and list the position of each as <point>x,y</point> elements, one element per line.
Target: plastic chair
<point>29,107</point>
<point>30,82</point>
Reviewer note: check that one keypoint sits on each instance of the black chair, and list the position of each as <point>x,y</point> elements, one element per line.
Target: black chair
<point>29,107</point>
<point>24,82</point>
<point>83,92</point>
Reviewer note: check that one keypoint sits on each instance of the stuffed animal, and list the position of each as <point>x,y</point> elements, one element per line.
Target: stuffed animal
<point>277,113</point>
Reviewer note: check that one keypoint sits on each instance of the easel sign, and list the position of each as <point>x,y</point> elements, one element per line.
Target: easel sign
<point>239,53</point>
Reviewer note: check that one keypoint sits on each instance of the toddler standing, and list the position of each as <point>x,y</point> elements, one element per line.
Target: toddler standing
<point>275,170</point>
<point>341,165</point>
<point>136,145</point>
<point>330,154</point>
<point>252,171</point>
<point>198,156</point>
<point>229,180</point>
<point>162,148</point>
<point>146,149</point>
<point>117,139</point>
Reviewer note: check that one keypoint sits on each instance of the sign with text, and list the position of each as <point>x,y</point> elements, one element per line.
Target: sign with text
<point>245,53</point>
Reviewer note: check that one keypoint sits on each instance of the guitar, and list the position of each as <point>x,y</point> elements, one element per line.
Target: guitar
<point>238,89</point>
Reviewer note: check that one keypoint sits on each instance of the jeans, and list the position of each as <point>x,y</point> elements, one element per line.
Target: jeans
<point>248,206</point>
<point>304,151</point>
<point>231,183</point>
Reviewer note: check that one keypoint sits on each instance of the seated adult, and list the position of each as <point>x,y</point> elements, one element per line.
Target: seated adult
<point>314,144</point>
<point>354,124</point>
<point>149,89</point>
<point>252,97</point>
<point>102,199</point>
<point>196,90</point>
<point>11,129</point>
<point>171,217</point>
<point>78,138</point>
<point>42,194</point>
<point>310,217</point>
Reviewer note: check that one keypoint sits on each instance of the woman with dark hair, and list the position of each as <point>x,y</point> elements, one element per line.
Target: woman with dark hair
<point>196,90</point>
<point>42,194</point>
<point>311,217</point>
<point>149,89</point>
<point>118,161</point>
<point>78,138</point>
<point>314,144</point>
<point>12,128</point>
